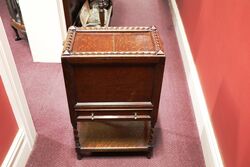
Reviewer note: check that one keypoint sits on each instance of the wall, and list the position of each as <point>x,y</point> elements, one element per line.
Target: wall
<point>8,125</point>
<point>219,37</point>
<point>45,26</point>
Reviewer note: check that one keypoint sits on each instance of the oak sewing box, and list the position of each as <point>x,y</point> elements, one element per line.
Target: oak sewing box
<point>113,79</point>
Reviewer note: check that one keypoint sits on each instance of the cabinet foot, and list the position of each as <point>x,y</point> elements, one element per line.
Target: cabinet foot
<point>79,156</point>
<point>150,153</point>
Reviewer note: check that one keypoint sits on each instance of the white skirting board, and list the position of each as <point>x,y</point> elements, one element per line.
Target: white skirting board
<point>19,151</point>
<point>209,144</point>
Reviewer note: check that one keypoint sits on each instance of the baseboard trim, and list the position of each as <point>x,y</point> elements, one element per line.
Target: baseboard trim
<point>209,144</point>
<point>19,151</point>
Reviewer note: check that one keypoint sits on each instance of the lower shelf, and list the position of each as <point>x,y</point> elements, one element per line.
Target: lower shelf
<point>110,136</point>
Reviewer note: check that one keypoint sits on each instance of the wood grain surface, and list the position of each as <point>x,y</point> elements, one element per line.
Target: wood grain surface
<point>114,135</point>
<point>113,42</point>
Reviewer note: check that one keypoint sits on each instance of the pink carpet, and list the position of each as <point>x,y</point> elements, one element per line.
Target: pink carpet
<point>177,141</point>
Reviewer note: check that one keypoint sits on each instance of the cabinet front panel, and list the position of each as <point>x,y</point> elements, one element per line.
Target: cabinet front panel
<point>114,83</point>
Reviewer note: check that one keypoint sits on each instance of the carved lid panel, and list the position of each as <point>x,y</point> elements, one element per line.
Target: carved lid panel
<point>113,41</point>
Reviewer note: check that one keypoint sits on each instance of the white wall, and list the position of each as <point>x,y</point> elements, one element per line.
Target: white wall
<point>45,26</point>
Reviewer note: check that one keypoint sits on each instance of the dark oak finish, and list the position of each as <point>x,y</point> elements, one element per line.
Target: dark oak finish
<point>113,80</point>
<point>103,136</point>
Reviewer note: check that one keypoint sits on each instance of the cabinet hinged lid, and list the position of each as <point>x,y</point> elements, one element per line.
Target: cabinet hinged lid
<point>122,41</point>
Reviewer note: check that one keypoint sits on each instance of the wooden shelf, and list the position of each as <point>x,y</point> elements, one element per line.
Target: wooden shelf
<point>114,135</point>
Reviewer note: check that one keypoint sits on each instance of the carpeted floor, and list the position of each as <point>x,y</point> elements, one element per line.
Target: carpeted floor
<point>177,141</point>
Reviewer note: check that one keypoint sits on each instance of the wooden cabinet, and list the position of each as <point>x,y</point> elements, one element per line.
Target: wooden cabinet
<point>113,80</point>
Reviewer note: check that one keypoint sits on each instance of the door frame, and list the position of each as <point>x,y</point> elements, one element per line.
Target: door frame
<point>25,138</point>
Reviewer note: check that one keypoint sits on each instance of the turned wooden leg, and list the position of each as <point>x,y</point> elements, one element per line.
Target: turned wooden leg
<point>17,34</point>
<point>150,142</point>
<point>77,145</point>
